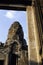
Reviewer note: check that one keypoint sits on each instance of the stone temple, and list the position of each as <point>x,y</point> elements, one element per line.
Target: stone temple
<point>34,10</point>
<point>15,50</point>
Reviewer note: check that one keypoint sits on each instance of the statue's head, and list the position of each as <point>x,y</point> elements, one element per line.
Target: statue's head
<point>15,31</point>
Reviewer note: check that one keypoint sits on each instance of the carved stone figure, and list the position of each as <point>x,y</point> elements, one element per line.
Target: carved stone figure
<point>15,48</point>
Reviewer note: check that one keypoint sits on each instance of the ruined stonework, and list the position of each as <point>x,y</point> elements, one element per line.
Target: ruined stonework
<point>15,50</point>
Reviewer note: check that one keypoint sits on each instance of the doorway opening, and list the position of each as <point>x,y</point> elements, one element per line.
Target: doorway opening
<point>1,62</point>
<point>12,59</point>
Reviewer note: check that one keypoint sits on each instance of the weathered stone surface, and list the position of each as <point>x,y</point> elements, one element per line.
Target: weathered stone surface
<point>19,46</point>
<point>15,50</point>
<point>15,32</point>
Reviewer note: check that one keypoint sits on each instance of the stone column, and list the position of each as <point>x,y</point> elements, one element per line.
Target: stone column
<point>6,59</point>
<point>33,46</point>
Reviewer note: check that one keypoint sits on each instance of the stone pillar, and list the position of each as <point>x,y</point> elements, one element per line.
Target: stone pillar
<point>33,46</point>
<point>6,59</point>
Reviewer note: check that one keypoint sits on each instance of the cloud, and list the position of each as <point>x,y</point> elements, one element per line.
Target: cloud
<point>9,14</point>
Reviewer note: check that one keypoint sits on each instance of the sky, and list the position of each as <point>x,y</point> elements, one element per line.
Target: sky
<point>7,17</point>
